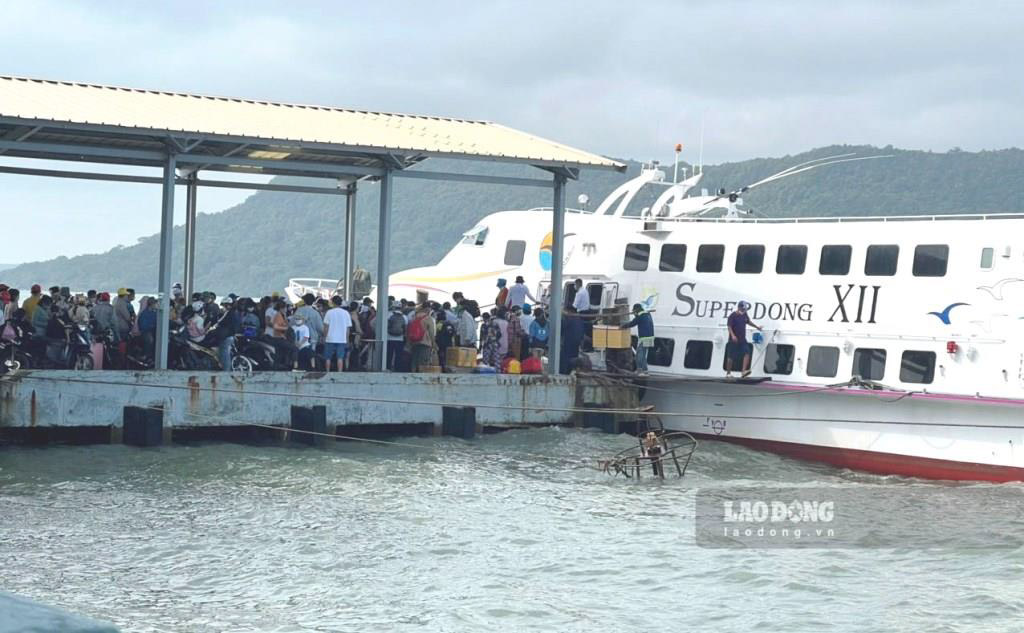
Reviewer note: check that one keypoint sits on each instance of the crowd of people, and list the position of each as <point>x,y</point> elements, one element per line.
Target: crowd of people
<point>312,334</point>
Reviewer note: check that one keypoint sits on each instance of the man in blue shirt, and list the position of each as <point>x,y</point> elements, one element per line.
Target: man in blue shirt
<point>737,350</point>
<point>644,325</point>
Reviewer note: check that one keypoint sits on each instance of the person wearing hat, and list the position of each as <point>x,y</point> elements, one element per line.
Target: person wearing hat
<point>103,314</point>
<point>737,350</point>
<point>644,325</point>
<point>78,312</point>
<point>11,303</point>
<point>518,293</point>
<point>5,303</point>
<point>33,300</point>
<point>502,298</point>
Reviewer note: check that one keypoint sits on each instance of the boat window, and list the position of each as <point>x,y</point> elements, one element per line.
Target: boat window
<point>881,260</point>
<point>595,292</point>
<point>661,353</point>
<point>709,258</point>
<point>476,236</point>
<point>514,252</point>
<point>917,367</point>
<point>791,260</point>
<point>835,259</point>
<point>749,258</point>
<point>778,359</point>
<point>673,258</point>
<point>869,363</point>
<point>930,260</point>
<point>987,255</point>
<point>698,354</point>
<point>636,256</point>
<point>569,294</point>
<point>823,361</point>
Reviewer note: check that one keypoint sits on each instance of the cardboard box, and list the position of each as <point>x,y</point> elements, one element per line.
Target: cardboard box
<point>611,337</point>
<point>430,369</point>
<point>460,357</point>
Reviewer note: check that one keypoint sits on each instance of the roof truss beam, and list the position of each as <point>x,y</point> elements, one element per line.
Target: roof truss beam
<point>338,190</point>
<point>475,178</point>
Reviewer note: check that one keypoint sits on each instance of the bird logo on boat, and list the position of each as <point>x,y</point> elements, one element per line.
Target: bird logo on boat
<point>944,315</point>
<point>650,300</point>
<point>996,289</point>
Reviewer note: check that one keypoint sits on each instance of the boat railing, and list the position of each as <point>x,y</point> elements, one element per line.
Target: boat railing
<point>839,219</point>
<point>810,219</point>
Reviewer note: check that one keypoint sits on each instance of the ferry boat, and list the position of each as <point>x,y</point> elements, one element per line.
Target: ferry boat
<point>890,344</point>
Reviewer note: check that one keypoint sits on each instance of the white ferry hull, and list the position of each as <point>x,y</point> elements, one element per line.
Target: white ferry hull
<point>930,436</point>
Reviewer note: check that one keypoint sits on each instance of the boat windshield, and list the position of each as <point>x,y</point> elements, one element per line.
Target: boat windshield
<point>476,236</point>
<point>644,198</point>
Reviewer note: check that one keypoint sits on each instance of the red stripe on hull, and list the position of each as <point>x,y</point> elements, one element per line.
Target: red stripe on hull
<point>880,463</point>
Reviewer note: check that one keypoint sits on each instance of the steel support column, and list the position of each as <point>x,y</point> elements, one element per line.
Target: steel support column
<point>164,281</point>
<point>383,270</point>
<point>350,238</point>
<point>557,256</point>
<point>190,236</point>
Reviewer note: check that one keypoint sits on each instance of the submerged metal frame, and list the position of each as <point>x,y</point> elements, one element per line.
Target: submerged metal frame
<point>195,152</point>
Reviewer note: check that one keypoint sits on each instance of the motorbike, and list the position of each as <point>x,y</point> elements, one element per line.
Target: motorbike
<point>261,355</point>
<point>13,357</point>
<point>72,353</point>
<point>188,354</point>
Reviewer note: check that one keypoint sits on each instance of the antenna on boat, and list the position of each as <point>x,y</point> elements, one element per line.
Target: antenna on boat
<point>792,171</point>
<point>675,173</point>
<point>700,154</point>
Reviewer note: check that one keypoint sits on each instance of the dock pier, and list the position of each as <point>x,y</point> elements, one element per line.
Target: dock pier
<point>160,407</point>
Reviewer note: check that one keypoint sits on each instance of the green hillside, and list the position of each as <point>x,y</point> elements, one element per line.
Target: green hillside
<point>256,246</point>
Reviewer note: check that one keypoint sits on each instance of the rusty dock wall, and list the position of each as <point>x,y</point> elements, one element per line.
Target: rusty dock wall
<point>63,401</point>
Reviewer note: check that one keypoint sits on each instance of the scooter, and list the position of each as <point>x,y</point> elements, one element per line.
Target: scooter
<point>261,354</point>
<point>73,352</point>
<point>13,357</point>
<point>188,354</point>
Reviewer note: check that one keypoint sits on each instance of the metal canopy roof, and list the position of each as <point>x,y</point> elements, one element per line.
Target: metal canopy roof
<point>104,124</point>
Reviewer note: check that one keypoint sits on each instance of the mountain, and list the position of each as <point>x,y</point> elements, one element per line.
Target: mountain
<point>254,247</point>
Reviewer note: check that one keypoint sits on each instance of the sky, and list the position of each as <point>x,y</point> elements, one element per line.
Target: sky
<point>623,79</point>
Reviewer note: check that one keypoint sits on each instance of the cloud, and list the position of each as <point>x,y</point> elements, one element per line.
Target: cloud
<point>627,80</point>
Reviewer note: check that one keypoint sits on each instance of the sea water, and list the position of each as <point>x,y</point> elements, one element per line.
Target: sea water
<point>508,532</point>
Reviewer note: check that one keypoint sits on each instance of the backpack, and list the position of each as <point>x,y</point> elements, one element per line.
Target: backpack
<point>396,324</point>
<point>416,330</point>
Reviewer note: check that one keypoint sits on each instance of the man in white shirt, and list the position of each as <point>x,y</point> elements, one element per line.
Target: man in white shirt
<point>581,302</point>
<point>518,294</point>
<point>337,321</point>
